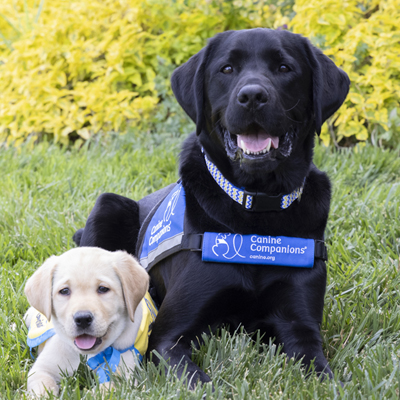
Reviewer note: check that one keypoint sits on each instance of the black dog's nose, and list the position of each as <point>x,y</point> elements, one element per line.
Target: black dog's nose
<point>83,319</point>
<point>252,96</point>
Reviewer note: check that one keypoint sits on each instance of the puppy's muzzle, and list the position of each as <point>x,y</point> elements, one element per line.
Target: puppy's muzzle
<point>83,319</point>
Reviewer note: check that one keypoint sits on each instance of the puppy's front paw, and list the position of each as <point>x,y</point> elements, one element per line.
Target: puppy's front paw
<point>104,389</point>
<point>41,386</point>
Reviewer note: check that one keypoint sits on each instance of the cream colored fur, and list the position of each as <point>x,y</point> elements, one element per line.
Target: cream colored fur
<point>117,313</point>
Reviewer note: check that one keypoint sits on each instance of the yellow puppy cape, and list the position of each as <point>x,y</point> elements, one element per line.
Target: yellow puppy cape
<point>149,316</point>
<point>41,329</point>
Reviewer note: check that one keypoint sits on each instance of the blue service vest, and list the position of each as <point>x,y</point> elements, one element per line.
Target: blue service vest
<point>163,233</point>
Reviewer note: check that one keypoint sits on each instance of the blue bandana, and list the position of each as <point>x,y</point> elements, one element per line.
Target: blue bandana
<point>107,361</point>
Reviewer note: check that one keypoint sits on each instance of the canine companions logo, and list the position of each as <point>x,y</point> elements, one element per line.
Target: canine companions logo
<point>255,249</point>
<point>165,230</point>
<point>164,225</point>
<point>228,246</point>
<point>169,211</point>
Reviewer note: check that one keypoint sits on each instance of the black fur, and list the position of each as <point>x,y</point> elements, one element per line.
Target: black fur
<point>278,84</point>
<point>113,224</point>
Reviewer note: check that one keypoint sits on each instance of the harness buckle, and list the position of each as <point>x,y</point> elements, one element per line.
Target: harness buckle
<point>248,200</point>
<point>320,250</point>
<point>192,242</point>
<point>259,202</point>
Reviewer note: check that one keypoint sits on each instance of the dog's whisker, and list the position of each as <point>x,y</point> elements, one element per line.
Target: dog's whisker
<point>293,120</point>
<point>298,101</point>
<point>217,123</point>
<point>292,108</point>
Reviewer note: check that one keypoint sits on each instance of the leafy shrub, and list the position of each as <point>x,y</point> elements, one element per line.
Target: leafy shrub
<point>85,66</point>
<point>363,38</point>
<point>71,69</point>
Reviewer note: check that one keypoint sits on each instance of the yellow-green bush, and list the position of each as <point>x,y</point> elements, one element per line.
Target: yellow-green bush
<point>71,68</point>
<point>83,66</point>
<point>363,38</point>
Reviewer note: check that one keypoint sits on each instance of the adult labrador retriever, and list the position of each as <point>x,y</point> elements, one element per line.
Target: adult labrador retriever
<point>257,97</point>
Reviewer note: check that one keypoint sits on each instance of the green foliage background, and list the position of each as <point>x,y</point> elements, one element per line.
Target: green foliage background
<point>70,69</point>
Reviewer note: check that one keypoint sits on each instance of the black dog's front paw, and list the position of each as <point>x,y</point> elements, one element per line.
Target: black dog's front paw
<point>178,357</point>
<point>113,224</point>
<point>78,236</point>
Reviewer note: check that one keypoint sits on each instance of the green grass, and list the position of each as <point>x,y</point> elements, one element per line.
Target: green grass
<point>46,193</point>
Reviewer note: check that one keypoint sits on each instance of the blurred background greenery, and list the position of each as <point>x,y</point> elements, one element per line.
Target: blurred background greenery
<point>72,69</point>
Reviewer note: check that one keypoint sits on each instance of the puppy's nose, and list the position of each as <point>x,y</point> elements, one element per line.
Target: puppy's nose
<point>83,319</point>
<point>252,96</point>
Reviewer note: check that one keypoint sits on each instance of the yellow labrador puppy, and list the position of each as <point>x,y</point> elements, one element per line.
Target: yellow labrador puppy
<point>87,301</point>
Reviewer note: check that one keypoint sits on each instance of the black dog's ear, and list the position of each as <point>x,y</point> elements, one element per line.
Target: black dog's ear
<point>330,85</point>
<point>187,83</point>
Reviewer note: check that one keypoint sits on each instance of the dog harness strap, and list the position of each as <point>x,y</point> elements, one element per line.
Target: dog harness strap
<point>253,201</point>
<point>320,250</point>
<point>166,235</point>
<point>256,249</point>
<point>192,242</point>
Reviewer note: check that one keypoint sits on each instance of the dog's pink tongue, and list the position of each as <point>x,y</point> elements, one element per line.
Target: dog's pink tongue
<point>85,342</point>
<point>258,141</point>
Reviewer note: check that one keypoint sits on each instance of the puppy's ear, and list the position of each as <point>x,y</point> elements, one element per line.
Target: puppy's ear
<point>134,280</point>
<point>39,286</point>
<point>187,83</point>
<point>330,85</point>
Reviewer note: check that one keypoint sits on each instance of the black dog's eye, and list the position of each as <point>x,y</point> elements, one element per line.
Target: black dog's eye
<point>65,291</point>
<point>227,69</point>
<point>102,289</point>
<point>284,68</point>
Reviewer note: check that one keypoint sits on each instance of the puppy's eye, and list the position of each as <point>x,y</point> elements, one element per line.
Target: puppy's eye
<point>102,289</point>
<point>284,68</point>
<point>65,291</point>
<point>227,69</point>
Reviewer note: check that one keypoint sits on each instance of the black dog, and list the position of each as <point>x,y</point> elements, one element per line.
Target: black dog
<point>257,97</point>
